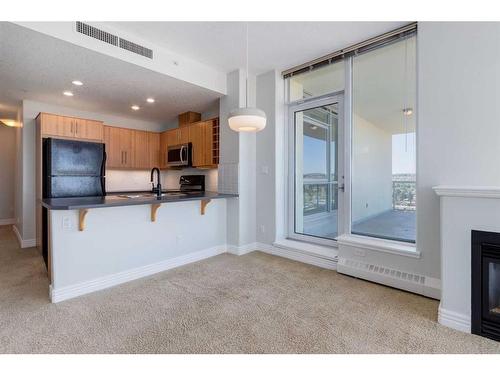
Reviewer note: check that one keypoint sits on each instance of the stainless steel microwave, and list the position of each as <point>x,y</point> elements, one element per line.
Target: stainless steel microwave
<point>179,155</point>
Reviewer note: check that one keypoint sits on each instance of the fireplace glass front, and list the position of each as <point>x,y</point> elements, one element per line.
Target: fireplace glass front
<point>485,287</point>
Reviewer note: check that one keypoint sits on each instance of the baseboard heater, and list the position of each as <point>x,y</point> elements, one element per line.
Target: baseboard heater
<point>391,277</point>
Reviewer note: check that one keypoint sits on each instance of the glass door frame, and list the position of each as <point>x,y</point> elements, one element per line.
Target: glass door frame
<point>303,105</point>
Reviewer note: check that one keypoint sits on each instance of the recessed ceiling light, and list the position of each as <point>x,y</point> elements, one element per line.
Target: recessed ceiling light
<point>135,107</point>
<point>150,100</point>
<point>68,93</point>
<point>77,83</point>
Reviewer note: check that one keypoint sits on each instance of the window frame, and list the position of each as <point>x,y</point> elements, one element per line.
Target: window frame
<point>297,106</point>
<point>344,230</point>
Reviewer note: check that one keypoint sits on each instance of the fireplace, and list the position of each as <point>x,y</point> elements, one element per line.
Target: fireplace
<point>485,319</point>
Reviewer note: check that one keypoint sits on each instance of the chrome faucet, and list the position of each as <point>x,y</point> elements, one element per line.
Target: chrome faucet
<point>156,189</point>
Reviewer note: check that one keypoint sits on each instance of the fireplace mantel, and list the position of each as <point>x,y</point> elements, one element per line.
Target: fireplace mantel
<point>467,191</point>
<point>462,209</point>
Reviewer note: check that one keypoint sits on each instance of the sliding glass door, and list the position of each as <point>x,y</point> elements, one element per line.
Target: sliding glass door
<point>316,170</point>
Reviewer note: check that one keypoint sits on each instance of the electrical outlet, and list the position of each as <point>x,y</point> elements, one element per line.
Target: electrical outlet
<point>66,223</point>
<point>264,169</point>
<point>262,228</point>
<point>178,239</point>
<point>359,252</point>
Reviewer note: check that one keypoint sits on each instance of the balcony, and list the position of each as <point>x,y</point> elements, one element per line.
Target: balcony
<point>398,223</point>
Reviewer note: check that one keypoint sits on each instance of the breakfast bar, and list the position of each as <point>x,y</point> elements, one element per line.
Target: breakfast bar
<point>98,242</point>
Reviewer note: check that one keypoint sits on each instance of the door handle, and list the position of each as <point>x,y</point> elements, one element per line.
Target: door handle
<point>341,187</point>
<point>182,149</point>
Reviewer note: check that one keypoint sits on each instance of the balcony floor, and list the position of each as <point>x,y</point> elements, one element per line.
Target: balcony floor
<point>393,224</point>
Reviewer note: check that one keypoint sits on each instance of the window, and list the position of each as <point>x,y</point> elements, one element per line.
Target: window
<point>374,153</point>
<point>325,80</point>
<point>383,192</point>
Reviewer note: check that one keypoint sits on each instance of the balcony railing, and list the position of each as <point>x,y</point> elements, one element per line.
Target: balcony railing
<point>404,195</point>
<point>322,196</point>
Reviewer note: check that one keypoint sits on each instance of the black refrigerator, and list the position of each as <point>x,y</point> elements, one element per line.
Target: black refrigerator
<point>71,169</point>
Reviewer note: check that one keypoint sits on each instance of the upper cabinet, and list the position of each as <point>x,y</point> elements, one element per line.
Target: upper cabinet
<point>131,149</point>
<point>154,149</point>
<point>119,147</point>
<point>70,127</point>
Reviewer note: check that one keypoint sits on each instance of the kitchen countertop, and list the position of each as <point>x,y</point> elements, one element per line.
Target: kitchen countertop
<point>135,198</point>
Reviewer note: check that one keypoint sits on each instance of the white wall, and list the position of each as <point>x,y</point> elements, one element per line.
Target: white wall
<point>371,169</point>
<point>7,172</point>
<point>458,115</point>
<point>268,99</point>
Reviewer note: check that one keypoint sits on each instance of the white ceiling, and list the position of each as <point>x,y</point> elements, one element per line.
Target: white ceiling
<point>272,45</point>
<point>34,66</point>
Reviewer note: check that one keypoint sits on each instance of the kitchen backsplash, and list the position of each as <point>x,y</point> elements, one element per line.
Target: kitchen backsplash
<point>118,180</point>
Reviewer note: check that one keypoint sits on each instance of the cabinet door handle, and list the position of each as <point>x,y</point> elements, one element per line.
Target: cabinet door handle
<point>76,127</point>
<point>122,158</point>
<point>126,157</point>
<point>71,127</point>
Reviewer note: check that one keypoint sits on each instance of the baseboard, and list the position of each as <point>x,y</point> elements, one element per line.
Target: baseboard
<point>460,322</point>
<point>424,285</point>
<point>242,250</point>
<point>23,243</point>
<point>299,255</point>
<point>64,293</point>
<point>7,221</point>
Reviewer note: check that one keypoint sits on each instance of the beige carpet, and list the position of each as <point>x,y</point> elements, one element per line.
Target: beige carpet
<point>255,303</point>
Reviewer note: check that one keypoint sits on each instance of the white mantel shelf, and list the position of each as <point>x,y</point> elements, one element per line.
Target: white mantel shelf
<point>467,191</point>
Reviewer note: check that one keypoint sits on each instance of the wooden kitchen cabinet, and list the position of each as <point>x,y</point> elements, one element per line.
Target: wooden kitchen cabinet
<point>119,147</point>
<point>131,149</point>
<point>88,129</point>
<point>163,149</point>
<point>70,127</point>
<point>154,150</point>
<point>205,144</point>
<point>141,150</point>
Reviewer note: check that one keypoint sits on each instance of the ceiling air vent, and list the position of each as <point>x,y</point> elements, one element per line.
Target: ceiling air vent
<point>136,48</point>
<point>96,33</point>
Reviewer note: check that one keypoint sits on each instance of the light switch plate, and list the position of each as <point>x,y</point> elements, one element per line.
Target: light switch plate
<point>66,223</point>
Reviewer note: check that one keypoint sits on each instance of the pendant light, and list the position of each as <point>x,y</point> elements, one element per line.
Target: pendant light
<point>247,119</point>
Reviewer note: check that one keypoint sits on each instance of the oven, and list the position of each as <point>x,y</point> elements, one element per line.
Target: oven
<point>179,155</point>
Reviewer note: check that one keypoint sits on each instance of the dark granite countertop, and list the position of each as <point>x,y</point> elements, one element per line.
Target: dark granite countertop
<point>129,199</point>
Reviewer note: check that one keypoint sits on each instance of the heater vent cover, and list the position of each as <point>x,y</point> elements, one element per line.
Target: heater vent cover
<point>112,39</point>
<point>136,48</point>
<point>96,33</point>
<point>384,271</point>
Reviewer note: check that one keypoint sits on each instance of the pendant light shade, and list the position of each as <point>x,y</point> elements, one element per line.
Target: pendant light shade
<point>247,120</point>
